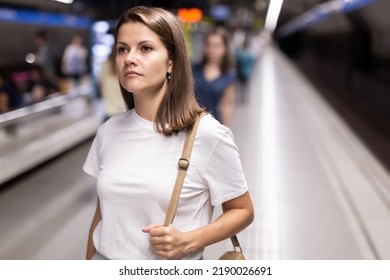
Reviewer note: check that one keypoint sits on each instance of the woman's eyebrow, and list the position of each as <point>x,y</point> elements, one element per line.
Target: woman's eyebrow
<point>146,41</point>
<point>139,43</point>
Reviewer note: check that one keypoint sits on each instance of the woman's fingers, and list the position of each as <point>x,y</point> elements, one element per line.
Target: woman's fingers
<point>150,227</point>
<point>161,231</point>
<point>156,240</point>
<point>165,241</point>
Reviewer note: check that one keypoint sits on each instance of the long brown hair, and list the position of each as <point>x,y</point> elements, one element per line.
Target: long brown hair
<point>179,108</point>
<point>227,62</point>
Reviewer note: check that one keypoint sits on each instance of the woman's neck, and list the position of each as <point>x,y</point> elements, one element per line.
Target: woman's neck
<point>213,64</point>
<point>146,105</point>
<point>211,71</point>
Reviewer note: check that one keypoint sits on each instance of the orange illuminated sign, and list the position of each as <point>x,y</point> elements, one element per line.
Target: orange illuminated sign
<point>190,15</point>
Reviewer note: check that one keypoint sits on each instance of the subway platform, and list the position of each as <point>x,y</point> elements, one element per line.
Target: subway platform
<point>318,191</point>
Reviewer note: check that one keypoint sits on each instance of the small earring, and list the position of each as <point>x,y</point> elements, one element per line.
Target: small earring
<point>169,76</point>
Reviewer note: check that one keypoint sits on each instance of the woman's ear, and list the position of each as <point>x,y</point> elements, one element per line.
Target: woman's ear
<point>170,66</point>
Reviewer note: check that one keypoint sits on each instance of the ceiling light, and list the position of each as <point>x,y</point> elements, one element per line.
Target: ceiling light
<point>273,14</point>
<point>64,1</point>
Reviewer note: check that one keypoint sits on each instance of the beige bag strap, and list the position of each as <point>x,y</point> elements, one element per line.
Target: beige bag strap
<point>182,165</point>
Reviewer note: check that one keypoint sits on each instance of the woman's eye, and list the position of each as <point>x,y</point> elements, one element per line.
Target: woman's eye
<point>146,48</point>
<point>121,50</point>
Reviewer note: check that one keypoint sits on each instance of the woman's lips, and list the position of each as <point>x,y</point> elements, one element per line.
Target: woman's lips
<point>131,74</point>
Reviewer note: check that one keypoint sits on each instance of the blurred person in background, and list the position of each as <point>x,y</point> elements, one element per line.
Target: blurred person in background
<point>238,38</point>
<point>10,97</point>
<point>215,77</point>
<point>245,60</point>
<point>74,59</point>
<point>109,87</point>
<point>39,87</point>
<point>44,54</point>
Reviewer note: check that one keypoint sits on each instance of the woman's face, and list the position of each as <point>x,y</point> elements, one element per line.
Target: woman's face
<point>215,48</point>
<point>142,60</point>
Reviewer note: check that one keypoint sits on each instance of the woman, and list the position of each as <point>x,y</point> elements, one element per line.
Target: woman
<point>215,77</point>
<point>134,155</point>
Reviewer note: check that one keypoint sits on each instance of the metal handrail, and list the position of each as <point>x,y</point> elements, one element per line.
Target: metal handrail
<point>45,106</point>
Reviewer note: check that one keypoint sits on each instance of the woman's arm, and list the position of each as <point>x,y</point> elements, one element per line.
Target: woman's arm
<point>238,216</point>
<point>226,105</point>
<point>91,250</point>
<point>170,243</point>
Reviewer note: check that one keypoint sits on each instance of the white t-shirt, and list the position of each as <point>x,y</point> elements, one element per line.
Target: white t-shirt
<point>136,168</point>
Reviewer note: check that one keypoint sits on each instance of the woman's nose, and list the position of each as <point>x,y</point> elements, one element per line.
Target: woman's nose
<point>131,57</point>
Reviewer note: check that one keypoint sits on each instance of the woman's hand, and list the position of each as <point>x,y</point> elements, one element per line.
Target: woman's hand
<point>168,242</point>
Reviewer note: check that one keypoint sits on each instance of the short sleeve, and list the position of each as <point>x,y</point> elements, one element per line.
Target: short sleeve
<point>224,174</point>
<point>93,160</point>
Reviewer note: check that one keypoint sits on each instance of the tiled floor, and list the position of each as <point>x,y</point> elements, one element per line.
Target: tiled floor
<point>318,192</point>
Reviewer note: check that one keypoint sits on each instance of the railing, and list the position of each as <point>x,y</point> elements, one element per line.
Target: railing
<point>53,103</point>
<point>40,137</point>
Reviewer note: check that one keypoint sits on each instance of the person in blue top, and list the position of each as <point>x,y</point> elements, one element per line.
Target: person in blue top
<point>215,77</point>
<point>245,61</point>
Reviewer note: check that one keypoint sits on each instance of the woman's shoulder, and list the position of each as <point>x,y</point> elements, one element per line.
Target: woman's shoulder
<point>116,121</point>
<point>196,67</point>
<point>195,64</point>
<point>211,129</point>
<point>120,118</point>
<point>232,73</point>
